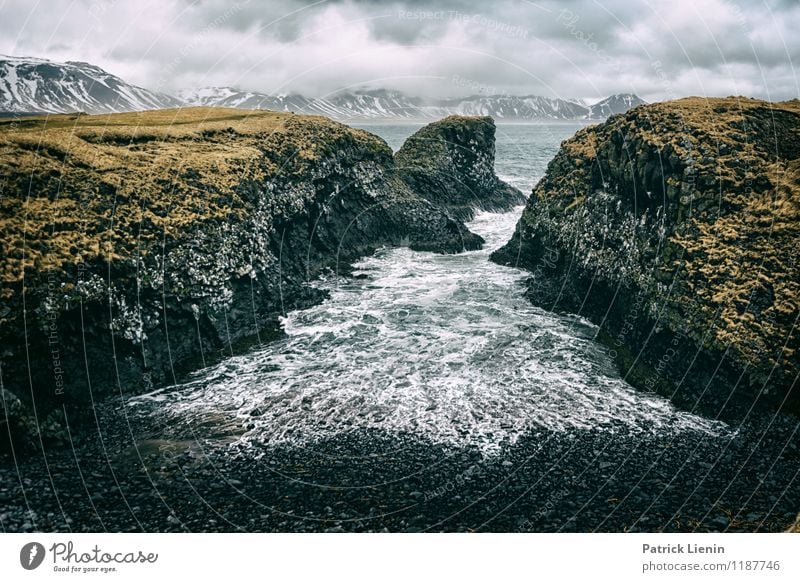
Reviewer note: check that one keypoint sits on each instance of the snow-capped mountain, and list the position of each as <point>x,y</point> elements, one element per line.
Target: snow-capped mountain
<point>509,107</point>
<point>384,104</point>
<point>375,104</point>
<point>30,85</point>
<point>227,97</point>
<point>615,104</point>
<point>371,104</point>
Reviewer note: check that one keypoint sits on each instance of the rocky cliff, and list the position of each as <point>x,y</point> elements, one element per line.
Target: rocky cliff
<point>675,227</point>
<point>138,247</point>
<point>451,163</point>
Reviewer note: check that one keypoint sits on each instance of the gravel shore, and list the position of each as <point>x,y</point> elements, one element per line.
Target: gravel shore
<point>131,478</point>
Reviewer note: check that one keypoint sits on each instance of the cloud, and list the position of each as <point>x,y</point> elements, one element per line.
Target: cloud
<point>572,48</point>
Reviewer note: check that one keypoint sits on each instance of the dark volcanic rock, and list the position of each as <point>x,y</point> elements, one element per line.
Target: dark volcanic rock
<point>139,247</point>
<point>451,163</point>
<point>15,421</point>
<point>592,480</point>
<point>675,228</point>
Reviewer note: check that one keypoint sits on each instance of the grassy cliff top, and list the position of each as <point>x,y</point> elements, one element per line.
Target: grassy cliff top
<point>182,121</point>
<point>74,188</point>
<point>452,124</point>
<point>427,145</point>
<point>455,121</point>
<point>709,130</point>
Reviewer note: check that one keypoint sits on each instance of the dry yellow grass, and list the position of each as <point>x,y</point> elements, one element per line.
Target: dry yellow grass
<point>76,188</point>
<point>742,265</point>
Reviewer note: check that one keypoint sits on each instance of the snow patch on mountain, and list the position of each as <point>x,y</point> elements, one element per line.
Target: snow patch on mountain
<point>384,104</point>
<point>31,85</point>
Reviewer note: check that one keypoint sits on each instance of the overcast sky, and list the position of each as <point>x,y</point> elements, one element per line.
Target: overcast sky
<point>570,48</point>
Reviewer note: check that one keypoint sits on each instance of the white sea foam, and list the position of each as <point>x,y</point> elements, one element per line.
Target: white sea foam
<point>441,346</point>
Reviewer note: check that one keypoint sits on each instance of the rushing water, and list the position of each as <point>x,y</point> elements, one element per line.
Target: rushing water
<point>441,346</point>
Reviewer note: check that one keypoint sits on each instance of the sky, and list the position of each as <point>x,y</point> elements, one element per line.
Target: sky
<point>570,49</point>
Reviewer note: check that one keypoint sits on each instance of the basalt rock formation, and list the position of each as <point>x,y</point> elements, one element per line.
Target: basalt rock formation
<point>674,227</point>
<point>138,247</point>
<point>451,163</point>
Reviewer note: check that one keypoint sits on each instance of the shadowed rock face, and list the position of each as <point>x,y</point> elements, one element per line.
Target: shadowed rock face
<point>675,228</point>
<point>138,247</point>
<point>451,163</point>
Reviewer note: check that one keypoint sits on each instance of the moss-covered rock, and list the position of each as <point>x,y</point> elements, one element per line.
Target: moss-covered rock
<point>675,227</point>
<point>138,247</point>
<point>451,163</point>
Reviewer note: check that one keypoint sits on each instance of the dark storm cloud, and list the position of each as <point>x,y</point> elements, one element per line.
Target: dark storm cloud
<point>569,48</point>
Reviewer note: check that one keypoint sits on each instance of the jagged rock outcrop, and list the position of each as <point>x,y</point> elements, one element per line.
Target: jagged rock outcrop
<point>140,246</point>
<point>451,163</point>
<point>675,227</point>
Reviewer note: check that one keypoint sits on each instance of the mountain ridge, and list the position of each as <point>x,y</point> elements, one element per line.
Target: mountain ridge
<point>35,85</point>
<point>388,104</point>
